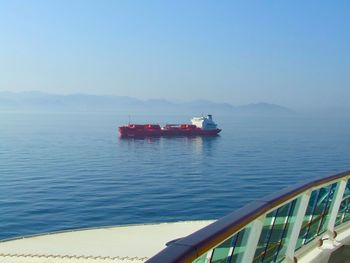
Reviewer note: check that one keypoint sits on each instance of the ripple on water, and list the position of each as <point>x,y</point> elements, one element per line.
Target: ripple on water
<point>65,171</point>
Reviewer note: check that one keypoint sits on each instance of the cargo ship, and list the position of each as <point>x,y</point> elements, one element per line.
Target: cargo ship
<point>200,126</point>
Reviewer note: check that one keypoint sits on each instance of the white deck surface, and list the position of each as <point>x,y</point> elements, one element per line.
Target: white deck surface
<point>111,244</point>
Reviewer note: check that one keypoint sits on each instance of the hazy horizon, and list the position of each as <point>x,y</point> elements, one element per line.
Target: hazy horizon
<point>38,101</point>
<point>291,54</point>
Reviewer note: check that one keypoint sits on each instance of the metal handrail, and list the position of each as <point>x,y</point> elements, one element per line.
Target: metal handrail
<point>191,247</point>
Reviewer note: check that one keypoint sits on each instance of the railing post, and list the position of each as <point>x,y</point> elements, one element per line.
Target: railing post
<point>251,239</point>
<point>294,231</point>
<point>209,255</point>
<point>337,198</point>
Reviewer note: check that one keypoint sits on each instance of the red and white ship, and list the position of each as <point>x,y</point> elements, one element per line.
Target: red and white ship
<point>200,126</point>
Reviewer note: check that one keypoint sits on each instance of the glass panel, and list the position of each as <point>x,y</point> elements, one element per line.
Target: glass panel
<point>226,252</point>
<point>238,246</point>
<point>346,216</point>
<point>307,219</point>
<point>344,206</point>
<point>222,252</point>
<point>264,236</point>
<point>344,209</point>
<point>327,207</point>
<point>229,250</point>
<point>285,234</point>
<point>288,231</point>
<point>201,259</point>
<point>274,233</point>
<point>321,209</point>
<point>317,214</point>
<point>346,198</point>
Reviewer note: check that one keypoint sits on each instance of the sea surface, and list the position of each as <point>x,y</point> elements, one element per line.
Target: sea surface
<point>62,171</point>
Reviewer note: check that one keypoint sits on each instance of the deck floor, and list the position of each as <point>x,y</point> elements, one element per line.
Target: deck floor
<point>123,244</point>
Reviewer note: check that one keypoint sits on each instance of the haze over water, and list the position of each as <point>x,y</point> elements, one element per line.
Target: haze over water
<point>62,171</point>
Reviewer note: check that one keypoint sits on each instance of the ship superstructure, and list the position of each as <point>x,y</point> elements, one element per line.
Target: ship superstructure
<point>205,123</point>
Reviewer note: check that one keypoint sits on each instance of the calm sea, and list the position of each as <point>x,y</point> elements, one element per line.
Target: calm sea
<point>65,171</point>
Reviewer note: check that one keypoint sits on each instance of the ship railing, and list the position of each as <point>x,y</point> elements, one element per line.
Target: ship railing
<point>282,227</point>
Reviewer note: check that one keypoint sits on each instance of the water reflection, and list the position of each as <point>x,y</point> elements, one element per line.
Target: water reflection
<point>139,139</point>
<point>203,145</point>
<point>198,145</point>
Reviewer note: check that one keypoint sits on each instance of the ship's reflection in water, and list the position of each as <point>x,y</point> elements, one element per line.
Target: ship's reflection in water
<point>197,144</point>
<point>202,145</point>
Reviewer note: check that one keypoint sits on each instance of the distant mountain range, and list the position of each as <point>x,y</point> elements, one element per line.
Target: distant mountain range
<point>39,101</point>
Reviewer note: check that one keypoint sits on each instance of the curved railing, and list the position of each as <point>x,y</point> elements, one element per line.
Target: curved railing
<point>273,229</point>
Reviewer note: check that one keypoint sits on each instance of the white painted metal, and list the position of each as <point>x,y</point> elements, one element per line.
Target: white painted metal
<point>209,255</point>
<point>205,123</point>
<point>251,239</point>
<point>337,198</point>
<point>230,252</point>
<point>294,230</point>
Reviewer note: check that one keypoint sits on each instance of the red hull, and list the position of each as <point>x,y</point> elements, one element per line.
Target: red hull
<point>154,130</point>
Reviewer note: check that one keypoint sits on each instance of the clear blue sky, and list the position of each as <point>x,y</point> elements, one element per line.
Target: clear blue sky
<point>294,53</point>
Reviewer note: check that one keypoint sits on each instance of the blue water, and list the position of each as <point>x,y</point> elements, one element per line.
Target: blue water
<point>65,171</point>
